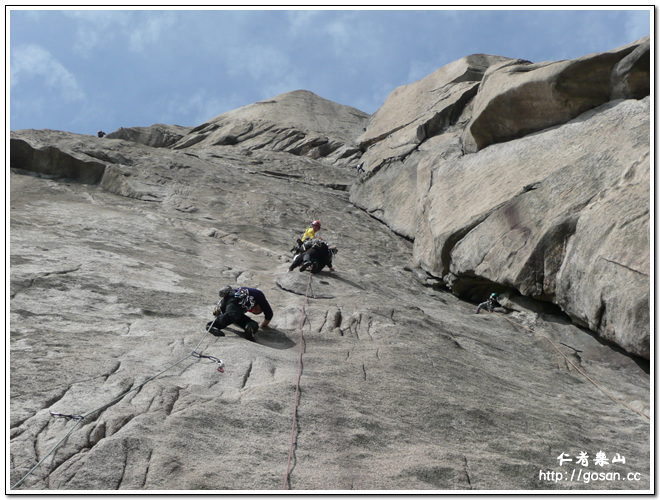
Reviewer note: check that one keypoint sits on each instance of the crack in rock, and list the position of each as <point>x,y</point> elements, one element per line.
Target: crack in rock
<point>246,376</point>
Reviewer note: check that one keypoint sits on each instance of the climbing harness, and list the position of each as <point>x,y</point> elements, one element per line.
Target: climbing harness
<point>303,316</point>
<point>574,366</point>
<point>79,418</point>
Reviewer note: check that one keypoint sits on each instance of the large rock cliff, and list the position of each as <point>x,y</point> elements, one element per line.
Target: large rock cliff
<point>538,184</point>
<point>377,376</point>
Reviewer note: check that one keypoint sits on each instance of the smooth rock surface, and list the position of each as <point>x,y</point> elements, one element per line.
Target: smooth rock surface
<point>402,386</point>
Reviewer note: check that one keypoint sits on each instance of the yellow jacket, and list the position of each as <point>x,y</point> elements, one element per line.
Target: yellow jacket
<point>310,233</point>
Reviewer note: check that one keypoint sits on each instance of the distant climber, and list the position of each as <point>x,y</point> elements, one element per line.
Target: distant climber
<point>316,254</point>
<point>232,308</point>
<point>100,133</point>
<point>490,304</point>
<point>310,234</point>
<point>360,168</point>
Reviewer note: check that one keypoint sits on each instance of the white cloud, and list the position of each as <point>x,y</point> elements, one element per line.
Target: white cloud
<point>150,31</point>
<point>300,20</point>
<point>259,62</point>
<point>340,33</point>
<point>196,108</point>
<point>96,28</point>
<point>33,61</point>
<point>357,40</point>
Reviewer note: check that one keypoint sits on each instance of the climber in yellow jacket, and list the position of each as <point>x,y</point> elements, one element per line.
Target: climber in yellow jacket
<point>311,231</point>
<point>309,234</point>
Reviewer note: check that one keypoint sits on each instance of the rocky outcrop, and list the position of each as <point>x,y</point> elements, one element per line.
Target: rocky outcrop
<point>157,136</point>
<point>419,111</point>
<point>40,155</point>
<point>487,210</point>
<point>631,77</point>
<point>412,117</point>
<point>298,123</point>
<point>519,98</point>
<point>518,211</point>
<point>118,249</point>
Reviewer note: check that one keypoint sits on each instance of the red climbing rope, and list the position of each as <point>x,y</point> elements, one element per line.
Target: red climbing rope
<point>295,405</point>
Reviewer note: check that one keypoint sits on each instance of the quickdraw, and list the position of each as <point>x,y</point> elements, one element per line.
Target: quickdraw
<point>221,367</point>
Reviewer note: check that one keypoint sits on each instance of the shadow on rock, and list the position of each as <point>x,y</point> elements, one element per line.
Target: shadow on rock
<point>335,276</point>
<point>298,283</point>
<point>322,286</point>
<point>270,337</point>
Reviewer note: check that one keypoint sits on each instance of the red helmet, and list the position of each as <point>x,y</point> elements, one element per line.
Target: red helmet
<point>316,224</point>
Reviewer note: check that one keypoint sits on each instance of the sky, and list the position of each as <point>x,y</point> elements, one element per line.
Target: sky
<point>80,69</point>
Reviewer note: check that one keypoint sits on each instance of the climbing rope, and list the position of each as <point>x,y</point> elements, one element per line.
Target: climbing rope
<point>80,418</point>
<point>574,366</point>
<point>295,404</point>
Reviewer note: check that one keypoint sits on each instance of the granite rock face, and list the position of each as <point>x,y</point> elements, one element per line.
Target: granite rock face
<point>631,77</point>
<point>497,197</point>
<point>416,112</point>
<point>299,123</point>
<point>119,246</point>
<point>157,136</point>
<point>518,98</point>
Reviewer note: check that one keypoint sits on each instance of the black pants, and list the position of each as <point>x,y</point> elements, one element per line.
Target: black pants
<point>234,315</point>
<point>305,261</point>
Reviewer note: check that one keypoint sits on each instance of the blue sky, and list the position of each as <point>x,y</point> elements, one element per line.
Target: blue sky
<point>83,70</point>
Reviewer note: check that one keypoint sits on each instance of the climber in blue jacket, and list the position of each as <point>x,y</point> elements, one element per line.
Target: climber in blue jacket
<point>232,308</point>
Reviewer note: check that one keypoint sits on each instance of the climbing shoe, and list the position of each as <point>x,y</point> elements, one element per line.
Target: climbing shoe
<point>214,331</point>
<point>305,265</point>
<point>251,328</point>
